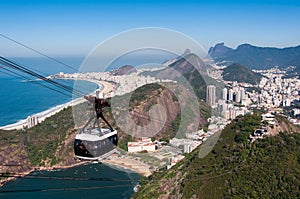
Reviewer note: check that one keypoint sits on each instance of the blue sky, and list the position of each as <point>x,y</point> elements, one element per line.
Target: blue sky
<point>66,27</point>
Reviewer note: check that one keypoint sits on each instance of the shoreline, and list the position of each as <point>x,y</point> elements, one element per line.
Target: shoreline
<point>106,88</point>
<point>129,163</point>
<point>125,163</point>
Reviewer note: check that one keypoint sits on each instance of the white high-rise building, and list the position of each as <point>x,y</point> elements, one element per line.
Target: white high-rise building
<point>225,92</point>
<point>243,95</point>
<point>32,121</point>
<point>238,96</point>
<point>286,102</point>
<point>230,95</point>
<point>187,148</point>
<point>211,95</point>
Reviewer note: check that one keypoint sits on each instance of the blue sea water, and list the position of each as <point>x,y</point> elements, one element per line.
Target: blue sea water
<point>87,181</point>
<point>20,98</point>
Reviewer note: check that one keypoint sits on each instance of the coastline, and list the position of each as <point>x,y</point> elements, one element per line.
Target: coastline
<point>125,162</point>
<point>129,163</point>
<point>106,88</point>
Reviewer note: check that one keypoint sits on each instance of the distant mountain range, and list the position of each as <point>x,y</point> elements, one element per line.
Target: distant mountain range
<point>254,57</point>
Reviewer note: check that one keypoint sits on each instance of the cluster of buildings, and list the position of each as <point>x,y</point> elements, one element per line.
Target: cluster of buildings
<point>188,145</point>
<point>235,94</point>
<point>273,92</point>
<point>277,90</point>
<point>128,83</point>
<point>226,106</point>
<point>173,151</point>
<point>125,83</point>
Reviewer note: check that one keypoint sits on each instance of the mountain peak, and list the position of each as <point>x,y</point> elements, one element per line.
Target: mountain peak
<point>244,46</point>
<point>219,50</point>
<point>187,51</point>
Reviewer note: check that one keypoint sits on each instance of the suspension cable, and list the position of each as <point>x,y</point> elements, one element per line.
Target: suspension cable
<point>19,76</point>
<point>38,52</point>
<point>34,74</point>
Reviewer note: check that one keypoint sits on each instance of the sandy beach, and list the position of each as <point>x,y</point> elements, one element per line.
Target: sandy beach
<point>128,162</point>
<point>107,88</point>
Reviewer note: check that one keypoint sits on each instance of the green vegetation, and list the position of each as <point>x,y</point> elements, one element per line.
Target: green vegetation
<point>170,132</point>
<point>205,110</point>
<point>239,73</point>
<point>235,168</point>
<point>43,140</point>
<point>122,144</point>
<point>145,92</point>
<point>43,144</point>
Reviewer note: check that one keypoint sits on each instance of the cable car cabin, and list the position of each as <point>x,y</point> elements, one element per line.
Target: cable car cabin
<point>91,144</point>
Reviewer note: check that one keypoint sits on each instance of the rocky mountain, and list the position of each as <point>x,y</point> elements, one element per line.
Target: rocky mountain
<point>240,73</point>
<point>254,57</point>
<point>187,67</point>
<point>141,101</point>
<point>219,51</point>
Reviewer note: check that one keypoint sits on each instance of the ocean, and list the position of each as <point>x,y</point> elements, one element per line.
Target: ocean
<point>91,181</point>
<point>20,99</point>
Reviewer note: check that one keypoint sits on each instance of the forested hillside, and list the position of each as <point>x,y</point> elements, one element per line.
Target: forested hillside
<point>235,168</point>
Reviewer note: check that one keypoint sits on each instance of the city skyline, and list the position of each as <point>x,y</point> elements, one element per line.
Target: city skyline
<point>74,28</point>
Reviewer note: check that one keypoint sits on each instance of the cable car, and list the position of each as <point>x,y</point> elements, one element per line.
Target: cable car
<point>93,143</point>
